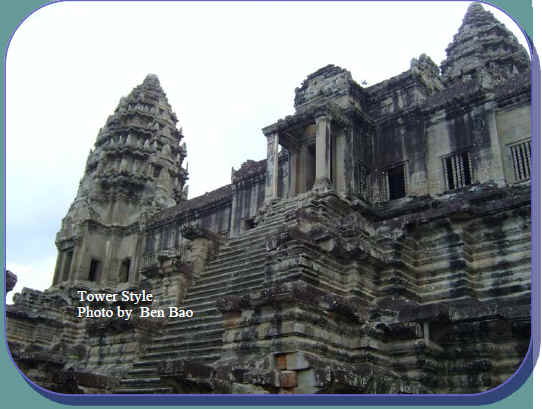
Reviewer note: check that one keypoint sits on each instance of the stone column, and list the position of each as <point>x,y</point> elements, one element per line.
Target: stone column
<point>234,222</point>
<point>497,165</point>
<point>138,253</point>
<point>63,276</point>
<point>58,268</point>
<point>339,162</point>
<point>293,163</point>
<point>272,174</point>
<point>426,334</point>
<point>323,153</point>
<point>77,272</point>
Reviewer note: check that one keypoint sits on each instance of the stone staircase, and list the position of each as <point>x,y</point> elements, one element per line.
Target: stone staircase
<point>237,270</point>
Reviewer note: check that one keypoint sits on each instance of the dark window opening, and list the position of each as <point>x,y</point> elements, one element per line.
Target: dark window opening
<point>156,171</point>
<point>149,243</point>
<point>249,224</point>
<point>311,167</point>
<point>396,182</point>
<point>94,270</point>
<point>67,265</point>
<point>124,271</point>
<point>332,150</point>
<point>458,170</point>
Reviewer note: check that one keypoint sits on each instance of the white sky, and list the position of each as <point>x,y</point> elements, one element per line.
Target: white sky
<point>228,70</point>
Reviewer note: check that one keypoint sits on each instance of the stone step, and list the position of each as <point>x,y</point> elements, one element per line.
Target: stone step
<point>186,332</point>
<point>186,344</point>
<point>141,381</point>
<point>259,232</point>
<point>142,371</point>
<point>211,334</point>
<point>236,289</point>
<point>211,337</point>
<point>195,303</point>
<point>202,333</point>
<point>225,279</point>
<point>232,253</point>
<point>185,352</point>
<point>252,235</point>
<point>234,281</point>
<point>237,270</point>
<point>211,273</point>
<point>152,362</point>
<point>249,257</point>
<point>181,330</point>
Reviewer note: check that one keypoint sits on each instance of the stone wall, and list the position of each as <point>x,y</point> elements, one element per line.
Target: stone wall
<point>441,302</point>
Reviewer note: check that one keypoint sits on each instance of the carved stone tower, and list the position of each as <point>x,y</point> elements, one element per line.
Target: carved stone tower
<point>134,170</point>
<point>484,50</point>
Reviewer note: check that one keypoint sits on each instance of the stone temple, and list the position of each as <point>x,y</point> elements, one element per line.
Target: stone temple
<point>383,246</point>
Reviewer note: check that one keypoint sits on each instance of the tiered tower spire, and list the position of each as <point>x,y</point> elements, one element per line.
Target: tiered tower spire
<point>484,50</point>
<point>134,170</point>
<point>136,163</point>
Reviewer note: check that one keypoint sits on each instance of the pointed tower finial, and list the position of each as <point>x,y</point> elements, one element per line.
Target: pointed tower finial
<point>474,7</point>
<point>151,79</point>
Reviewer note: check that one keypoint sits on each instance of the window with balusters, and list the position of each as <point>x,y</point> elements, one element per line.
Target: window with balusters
<point>520,154</point>
<point>457,170</point>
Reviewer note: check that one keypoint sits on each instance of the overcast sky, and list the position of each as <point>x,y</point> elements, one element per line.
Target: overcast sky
<point>228,70</point>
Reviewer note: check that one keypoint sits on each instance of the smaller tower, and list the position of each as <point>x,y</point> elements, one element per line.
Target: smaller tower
<point>483,50</point>
<point>134,170</point>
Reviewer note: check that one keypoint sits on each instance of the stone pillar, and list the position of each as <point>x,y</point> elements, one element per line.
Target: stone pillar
<point>234,222</point>
<point>272,174</point>
<point>64,276</point>
<point>77,271</point>
<point>138,254</point>
<point>108,267</point>
<point>323,153</point>
<point>339,162</point>
<point>58,268</point>
<point>497,162</point>
<point>183,284</point>
<point>293,162</point>
<point>426,334</point>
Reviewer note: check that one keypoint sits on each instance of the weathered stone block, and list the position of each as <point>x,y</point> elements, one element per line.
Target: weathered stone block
<point>296,361</point>
<point>288,379</point>
<point>281,361</point>
<point>306,382</point>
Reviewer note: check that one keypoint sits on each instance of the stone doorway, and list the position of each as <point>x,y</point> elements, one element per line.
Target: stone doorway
<point>304,169</point>
<point>310,167</point>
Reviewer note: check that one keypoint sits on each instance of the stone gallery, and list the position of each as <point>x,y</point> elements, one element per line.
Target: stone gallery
<point>383,246</point>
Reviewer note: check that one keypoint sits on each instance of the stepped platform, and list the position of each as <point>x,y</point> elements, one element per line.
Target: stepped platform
<point>236,270</point>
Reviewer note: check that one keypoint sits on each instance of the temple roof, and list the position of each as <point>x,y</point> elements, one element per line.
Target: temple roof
<point>197,203</point>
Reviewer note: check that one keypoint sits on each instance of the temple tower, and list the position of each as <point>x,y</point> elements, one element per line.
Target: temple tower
<point>484,50</point>
<point>134,170</point>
